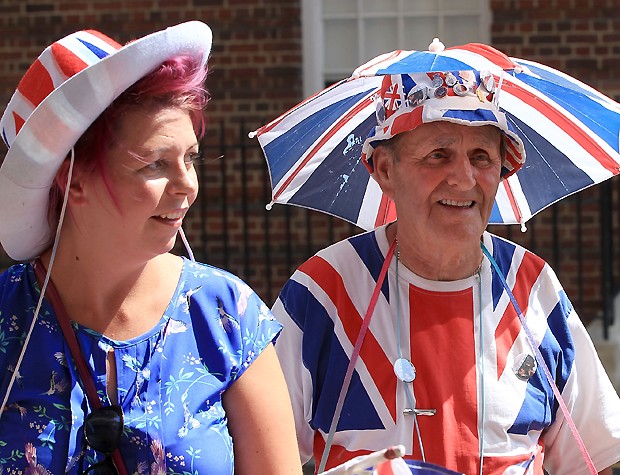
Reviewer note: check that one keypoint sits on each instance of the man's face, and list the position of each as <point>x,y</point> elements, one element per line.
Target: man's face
<point>443,178</point>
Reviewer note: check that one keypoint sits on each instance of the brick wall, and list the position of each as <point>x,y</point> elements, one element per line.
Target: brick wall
<point>579,37</point>
<point>256,75</point>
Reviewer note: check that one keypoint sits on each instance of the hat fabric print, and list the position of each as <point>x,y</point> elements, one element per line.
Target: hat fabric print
<point>406,101</point>
<point>69,85</point>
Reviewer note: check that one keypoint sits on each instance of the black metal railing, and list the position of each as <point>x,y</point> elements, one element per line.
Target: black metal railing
<point>229,227</point>
<point>264,247</point>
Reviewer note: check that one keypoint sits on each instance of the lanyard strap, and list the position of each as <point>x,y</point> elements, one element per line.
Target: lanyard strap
<point>541,362</point>
<point>76,353</point>
<point>354,356</point>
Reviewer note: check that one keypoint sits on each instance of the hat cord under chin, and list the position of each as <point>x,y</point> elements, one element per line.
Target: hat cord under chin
<point>45,282</point>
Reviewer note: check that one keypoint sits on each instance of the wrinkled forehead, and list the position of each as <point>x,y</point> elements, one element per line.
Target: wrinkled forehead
<point>447,135</point>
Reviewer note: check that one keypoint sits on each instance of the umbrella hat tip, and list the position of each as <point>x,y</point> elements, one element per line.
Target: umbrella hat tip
<point>436,46</point>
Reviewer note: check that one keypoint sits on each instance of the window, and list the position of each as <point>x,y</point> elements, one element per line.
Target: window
<point>339,35</point>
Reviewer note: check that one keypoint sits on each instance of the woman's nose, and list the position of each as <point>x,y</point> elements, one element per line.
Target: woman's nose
<point>184,180</point>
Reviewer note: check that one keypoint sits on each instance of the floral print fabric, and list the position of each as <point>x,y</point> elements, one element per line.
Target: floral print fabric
<point>170,380</point>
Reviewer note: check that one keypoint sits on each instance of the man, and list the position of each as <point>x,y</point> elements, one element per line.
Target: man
<point>446,367</point>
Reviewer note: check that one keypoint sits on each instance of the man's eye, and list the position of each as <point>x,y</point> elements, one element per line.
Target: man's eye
<point>481,157</point>
<point>437,154</point>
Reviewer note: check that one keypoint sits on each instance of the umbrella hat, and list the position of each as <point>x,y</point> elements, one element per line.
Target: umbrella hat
<point>317,151</point>
<point>69,85</point>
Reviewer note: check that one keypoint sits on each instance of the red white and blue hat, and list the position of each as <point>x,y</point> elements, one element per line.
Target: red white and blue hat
<point>70,84</point>
<point>407,101</point>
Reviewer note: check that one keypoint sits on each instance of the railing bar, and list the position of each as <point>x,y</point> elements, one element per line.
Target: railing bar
<point>224,189</point>
<point>244,202</point>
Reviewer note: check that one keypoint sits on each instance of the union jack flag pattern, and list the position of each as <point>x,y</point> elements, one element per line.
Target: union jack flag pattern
<point>570,133</point>
<point>57,63</point>
<point>473,363</point>
<point>64,91</point>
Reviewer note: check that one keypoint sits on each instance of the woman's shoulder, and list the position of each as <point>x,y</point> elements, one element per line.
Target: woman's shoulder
<point>212,289</point>
<point>213,282</point>
<point>202,271</point>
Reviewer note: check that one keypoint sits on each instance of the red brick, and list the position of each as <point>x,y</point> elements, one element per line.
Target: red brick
<point>256,75</point>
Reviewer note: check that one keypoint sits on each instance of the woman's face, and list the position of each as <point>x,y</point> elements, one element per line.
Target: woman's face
<point>148,183</point>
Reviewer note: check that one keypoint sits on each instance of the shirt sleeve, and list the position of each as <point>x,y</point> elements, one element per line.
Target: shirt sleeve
<point>298,379</point>
<point>594,407</point>
<point>257,326</point>
<point>233,324</point>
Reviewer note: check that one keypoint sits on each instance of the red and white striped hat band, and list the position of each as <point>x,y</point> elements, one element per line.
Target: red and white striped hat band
<point>407,101</point>
<point>68,86</point>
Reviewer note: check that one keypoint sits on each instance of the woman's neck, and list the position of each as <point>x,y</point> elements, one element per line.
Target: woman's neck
<point>120,299</point>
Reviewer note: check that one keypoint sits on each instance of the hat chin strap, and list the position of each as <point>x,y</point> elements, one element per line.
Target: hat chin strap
<point>186,243</point>
<point>45,282</point>
<point>49,273</point>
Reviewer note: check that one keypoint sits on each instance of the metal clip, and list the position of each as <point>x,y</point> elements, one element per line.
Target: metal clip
<point>420,412</point>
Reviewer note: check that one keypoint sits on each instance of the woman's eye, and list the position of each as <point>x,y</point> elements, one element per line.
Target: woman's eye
<point>195,158</point>
<point>156,165</point>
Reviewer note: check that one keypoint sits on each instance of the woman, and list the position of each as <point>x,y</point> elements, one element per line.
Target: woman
<point>178,354</point>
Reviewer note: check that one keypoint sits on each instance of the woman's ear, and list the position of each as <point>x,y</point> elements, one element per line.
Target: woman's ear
<point>383,162</point>
<point>76,187</point>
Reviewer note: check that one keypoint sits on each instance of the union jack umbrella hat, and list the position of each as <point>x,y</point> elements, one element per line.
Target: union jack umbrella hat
<point>69,85</point>
<point>461,97</point>
<point>570,132</point>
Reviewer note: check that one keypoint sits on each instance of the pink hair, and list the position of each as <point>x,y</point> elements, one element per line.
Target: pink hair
<point>178,82</point>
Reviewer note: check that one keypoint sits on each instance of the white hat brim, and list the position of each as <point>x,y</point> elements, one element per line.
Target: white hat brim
<point>54,127</point>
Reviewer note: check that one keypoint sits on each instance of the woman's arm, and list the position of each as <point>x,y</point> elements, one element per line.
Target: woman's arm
<point>260,420</point>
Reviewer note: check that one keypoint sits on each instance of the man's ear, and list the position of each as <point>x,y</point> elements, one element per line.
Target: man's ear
<point>383,174</point>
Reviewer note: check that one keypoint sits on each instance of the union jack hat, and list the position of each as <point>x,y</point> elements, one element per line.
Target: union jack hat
<point>407,101</point>
<point>69,85</point>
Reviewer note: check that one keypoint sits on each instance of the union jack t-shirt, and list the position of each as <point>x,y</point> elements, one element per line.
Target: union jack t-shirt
<point>474,365</point>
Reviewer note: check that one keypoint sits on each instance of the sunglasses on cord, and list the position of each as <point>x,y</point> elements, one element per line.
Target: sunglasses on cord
<point>102,431</point>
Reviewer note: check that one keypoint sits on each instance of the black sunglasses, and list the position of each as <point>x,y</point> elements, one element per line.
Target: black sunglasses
<point>102,431</point>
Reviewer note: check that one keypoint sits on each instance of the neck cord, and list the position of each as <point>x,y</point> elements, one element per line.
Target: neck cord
<point>45,282</point>
<point>354,356</point>
<point>481,361</point>
<point>542,364</point>
<point>408,390</point>
<point>187,246</point>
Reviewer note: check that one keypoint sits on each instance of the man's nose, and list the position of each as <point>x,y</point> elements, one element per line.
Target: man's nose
<point>461,172</point>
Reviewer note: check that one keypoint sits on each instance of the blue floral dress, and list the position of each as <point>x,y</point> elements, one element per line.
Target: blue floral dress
<point>170,380</point>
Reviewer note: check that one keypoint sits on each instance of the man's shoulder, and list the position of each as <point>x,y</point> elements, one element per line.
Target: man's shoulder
<point>362,237</point>
<point>500,243</point>
<point>359,246</point>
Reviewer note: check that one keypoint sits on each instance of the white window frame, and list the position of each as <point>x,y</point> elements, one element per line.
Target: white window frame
<point>313,44</point>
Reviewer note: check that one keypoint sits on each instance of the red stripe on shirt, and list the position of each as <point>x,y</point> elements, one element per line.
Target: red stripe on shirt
<point>371,352</point>
<point>509,326</point>
<point>443,352</point>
